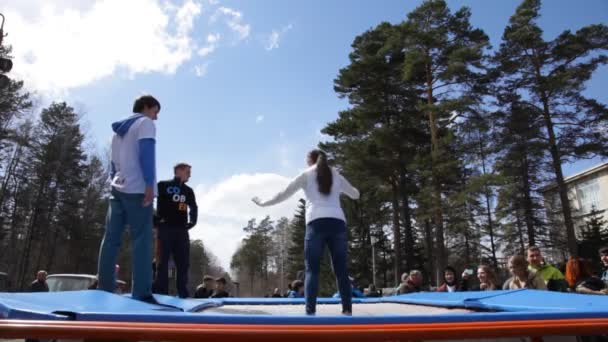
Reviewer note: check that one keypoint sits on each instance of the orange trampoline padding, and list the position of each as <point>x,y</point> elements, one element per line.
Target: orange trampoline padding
<point>293,333</point>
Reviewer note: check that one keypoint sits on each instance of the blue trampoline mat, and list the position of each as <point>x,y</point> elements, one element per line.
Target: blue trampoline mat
<point>93,305</point>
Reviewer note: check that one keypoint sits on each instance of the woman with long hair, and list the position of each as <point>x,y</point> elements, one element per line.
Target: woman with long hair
<point>488,281</point>
<point>522,276</point>
<point>581,280</point>
<point>325,224</point>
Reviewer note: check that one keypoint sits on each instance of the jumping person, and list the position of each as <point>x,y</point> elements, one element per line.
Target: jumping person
<point>325,225</point>
<point>175,201</point>
<point>133,187</point>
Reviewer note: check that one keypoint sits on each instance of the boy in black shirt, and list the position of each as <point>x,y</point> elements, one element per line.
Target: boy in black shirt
<point>176,202</point>
<point>220,292</point>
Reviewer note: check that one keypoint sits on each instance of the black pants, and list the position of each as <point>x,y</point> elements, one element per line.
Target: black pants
<point>173,241</point>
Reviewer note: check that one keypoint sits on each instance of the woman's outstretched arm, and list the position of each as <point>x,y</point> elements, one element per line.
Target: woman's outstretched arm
<point>348,189</point>
<point>295,185</point>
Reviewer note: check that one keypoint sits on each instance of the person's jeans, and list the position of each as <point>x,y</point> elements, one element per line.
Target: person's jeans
<point>173,241</point>
<point>330,232</point>
<point>126,209</point>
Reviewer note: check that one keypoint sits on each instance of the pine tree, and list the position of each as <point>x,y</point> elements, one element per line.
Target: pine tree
<point>445,58</point>
<point>594,235</point>
<point>57,162</point>
<point>297,233</point>
<point>550,77</point>
<point>375,139</point>
<point>521,165</point>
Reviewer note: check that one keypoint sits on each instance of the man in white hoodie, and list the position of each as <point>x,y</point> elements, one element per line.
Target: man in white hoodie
<point>133,189</point>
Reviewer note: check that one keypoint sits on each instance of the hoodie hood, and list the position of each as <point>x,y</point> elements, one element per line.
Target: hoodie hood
<point>122,127</point>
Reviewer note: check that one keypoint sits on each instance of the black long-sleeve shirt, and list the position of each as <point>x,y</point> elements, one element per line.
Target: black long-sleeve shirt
<point>175,200</point>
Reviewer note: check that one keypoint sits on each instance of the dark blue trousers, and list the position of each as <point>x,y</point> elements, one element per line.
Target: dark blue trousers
<point>330,232</point>
<point>173,241</point>
<point>126,209</point>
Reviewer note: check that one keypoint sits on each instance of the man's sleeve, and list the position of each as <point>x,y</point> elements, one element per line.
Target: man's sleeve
<point>147,150</point>
<point>159,204</point>
<point>193,209</point>
<point>557,274</point>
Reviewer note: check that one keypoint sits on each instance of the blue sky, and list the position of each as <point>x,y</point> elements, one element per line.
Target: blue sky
<point>243,111</point>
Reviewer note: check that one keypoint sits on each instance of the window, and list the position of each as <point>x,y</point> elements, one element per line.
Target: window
<point>588,194</point>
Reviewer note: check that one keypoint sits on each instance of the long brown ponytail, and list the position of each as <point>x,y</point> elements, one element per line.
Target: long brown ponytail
<point>324,175</point>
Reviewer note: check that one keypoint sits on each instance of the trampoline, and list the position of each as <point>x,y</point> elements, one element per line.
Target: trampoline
<point>509,315</point>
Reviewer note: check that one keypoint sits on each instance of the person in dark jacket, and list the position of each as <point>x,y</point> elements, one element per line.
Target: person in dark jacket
<point>205,290</point>
<point>220,288</point>
<point>40,285</point>
<point>372,292</point>
<point>176,213</point>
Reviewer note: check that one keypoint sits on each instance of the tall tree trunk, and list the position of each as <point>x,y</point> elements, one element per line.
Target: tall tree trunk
<point>385,276</point>
<point>396,231</point>
<point>441,255</point>
<point>528,205</point>
<point>14,240</point>
<point>488,196</point>
<point>9,173</point>
<point>29,237</point>
<point>520,231</point>
<point>467,239</point>
<point>51,255</point>
<point>556,161</point>
<point>407,220</point>
<point>428,237</point>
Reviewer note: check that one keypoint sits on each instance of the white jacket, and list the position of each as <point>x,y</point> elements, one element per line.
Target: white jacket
<point>318,205</point>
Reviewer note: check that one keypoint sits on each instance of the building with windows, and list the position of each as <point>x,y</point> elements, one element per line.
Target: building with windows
<point>586,190</point>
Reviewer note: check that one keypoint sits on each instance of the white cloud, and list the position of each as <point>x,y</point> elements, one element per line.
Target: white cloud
<point>67,45</point>
<point>186,15</point>
<point>206,50</point>
<point>212,43</point>
<point>275,37</point>
<point>259,118</point>
<point>201,70</point>
<point>213,38</point>
<point>226,207</point>
<point>234,20</point>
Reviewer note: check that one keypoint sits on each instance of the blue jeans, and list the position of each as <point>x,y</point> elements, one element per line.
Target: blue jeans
<point>330,232</point>
<point>173,241</point>
<point>126,209</point>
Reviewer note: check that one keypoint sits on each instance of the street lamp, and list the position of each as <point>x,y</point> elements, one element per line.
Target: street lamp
<point>5,63</point>
<point>373,239</point>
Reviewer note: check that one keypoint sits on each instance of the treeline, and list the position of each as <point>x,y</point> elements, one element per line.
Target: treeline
<point>272,256</point>
<point>54,194</point>
<point>451,141</point>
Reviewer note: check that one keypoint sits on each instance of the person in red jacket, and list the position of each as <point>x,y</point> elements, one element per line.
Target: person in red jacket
<point>451,283</point>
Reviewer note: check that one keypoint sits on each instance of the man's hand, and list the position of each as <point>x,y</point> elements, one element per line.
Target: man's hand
<point>190,225</point>
<point>148,196</point>
<point>257,201</point>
